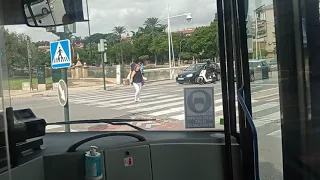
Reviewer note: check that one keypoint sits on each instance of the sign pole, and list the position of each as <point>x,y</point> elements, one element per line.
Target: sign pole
<point>104,72</point>
<point>66,107</point>
<point>61,58</point>
<point>102,48</point>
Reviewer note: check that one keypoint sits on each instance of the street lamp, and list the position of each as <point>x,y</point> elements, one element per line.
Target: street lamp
<point>188,18</point>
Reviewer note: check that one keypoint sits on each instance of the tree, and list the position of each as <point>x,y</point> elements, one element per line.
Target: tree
<point>205,39</point>
<point>119,30</point>
<point>141,45</point>
<point>264,53</point>
<point>152,23</point>
<point>17,52</point>
<point>159,44</point>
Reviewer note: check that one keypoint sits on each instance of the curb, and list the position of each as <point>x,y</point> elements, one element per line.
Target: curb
<point>29,96</point>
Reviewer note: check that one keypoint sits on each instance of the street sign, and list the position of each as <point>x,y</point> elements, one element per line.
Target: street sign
<point>60,54</point>
<point>62,92</point>
<point>199,107</point>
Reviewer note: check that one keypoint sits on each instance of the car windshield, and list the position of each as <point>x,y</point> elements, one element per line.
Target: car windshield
<point>273,62</point>
<point>254,64</point>
<point>194,67</point>
<point>63,75</point>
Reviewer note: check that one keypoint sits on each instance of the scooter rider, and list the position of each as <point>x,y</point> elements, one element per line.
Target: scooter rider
<point>209,70</point>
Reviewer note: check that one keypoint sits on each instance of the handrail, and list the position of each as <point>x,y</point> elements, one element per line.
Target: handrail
<point>253,130</point>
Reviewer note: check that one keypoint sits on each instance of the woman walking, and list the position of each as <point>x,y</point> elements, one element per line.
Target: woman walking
<point>137,81</point>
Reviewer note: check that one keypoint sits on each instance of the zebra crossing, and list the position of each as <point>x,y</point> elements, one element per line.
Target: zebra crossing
<point>166,102</point>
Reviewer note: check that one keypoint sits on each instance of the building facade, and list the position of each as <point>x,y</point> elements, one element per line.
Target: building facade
<point>265,36</point>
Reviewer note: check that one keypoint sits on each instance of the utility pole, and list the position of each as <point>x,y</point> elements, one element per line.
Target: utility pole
<point>89,29</point>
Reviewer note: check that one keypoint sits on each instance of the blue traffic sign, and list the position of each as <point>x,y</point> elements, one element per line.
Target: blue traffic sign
<point>60,54</point>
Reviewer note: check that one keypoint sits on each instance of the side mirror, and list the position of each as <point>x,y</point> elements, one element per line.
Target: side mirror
<point>48,13</point>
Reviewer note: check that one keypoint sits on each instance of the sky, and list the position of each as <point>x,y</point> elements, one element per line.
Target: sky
<point>106,14</point>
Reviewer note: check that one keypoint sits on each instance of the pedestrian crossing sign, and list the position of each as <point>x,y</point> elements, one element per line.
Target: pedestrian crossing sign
<point>60,54</point>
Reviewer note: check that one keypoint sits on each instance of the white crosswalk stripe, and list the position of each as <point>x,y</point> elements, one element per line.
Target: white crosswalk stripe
<point>166,102</point>
<point>57,128</point>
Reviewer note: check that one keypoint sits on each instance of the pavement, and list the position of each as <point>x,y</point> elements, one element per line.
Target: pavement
<point>162,103</point>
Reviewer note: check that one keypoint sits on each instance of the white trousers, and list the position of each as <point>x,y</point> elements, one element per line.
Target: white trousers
<point>137,87</point>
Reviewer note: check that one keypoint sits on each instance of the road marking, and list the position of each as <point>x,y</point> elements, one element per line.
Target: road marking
<point>276,84</point>
<point>53,127</point>
<point>168,111</point>
<point>262,120</point>
<point>149,103</point>
<point>157,107</point>
<point>106,96</point>
<point>264,90</point>
<point>124,103</point>
<point>276,134</point>
<point>265,96</point>
<point>255,109</point>
<point>148,126</point>
<point>121,99</point>
<point>179,117</point>
<point>273,99</point>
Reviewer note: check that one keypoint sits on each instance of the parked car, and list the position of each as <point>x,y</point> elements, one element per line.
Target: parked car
<point>259,69</point>
<point>273,65</point>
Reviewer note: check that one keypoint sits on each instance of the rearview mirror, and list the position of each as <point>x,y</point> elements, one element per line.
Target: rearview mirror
<point>47,13</point>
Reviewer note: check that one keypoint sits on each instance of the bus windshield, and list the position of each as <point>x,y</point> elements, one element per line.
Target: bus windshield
<point>126,62</point>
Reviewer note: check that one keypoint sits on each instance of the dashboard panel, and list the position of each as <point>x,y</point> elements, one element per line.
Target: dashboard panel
<point>164,155</point>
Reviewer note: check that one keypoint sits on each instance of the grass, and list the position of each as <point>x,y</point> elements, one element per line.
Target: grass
<point>16,83</point>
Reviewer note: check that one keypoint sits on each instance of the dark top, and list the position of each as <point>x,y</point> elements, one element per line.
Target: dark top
<point>137,78</point>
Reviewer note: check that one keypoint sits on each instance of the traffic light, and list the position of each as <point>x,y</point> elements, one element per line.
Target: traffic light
<point>103,45</point>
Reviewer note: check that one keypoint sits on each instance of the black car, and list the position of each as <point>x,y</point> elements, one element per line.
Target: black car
<point>191,73</point>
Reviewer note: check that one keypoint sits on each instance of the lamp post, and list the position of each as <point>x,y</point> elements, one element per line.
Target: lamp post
<point>188,18</point>
<point>29,62</point>
<point>89,29</point>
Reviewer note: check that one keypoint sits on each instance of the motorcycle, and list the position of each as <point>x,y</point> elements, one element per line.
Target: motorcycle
<point>202,78</point>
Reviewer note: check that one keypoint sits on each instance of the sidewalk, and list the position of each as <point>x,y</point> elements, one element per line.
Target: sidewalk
<point>20,94</point>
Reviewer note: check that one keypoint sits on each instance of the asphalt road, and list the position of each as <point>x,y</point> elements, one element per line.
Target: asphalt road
<point>165,102</point>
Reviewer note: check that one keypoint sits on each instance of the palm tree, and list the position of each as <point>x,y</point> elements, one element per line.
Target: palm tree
<point>162,27</point>
<point>119,30</point>
<point>152,23</point>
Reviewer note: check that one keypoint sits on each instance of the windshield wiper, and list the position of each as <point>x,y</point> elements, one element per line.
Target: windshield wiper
<point>105,121</point>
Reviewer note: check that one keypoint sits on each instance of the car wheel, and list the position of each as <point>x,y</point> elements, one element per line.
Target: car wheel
<point>45,11</point>
<point>252,78</point>
<point>201,81</point>
<point>180,82</point>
